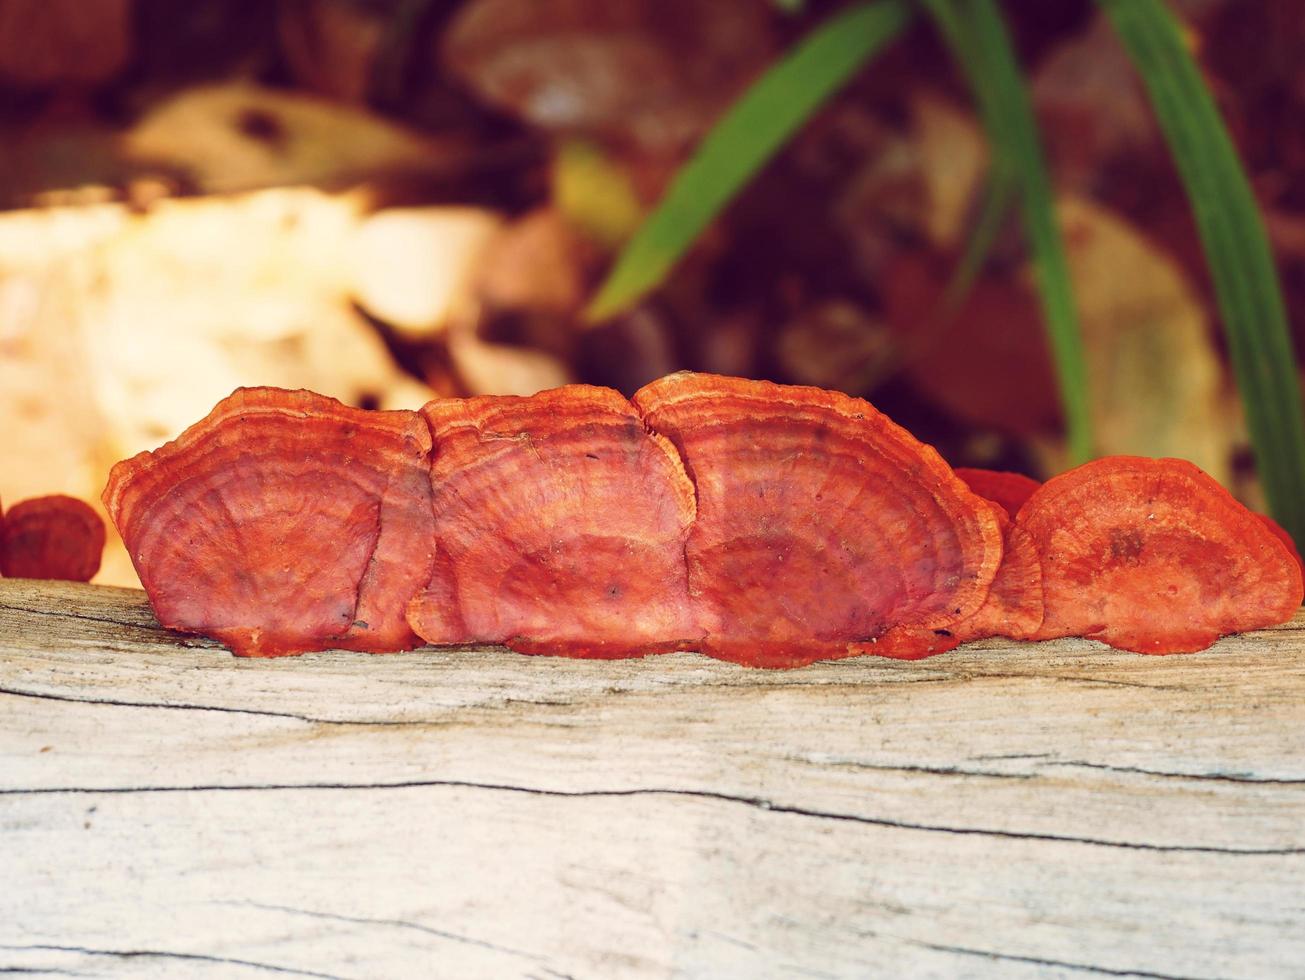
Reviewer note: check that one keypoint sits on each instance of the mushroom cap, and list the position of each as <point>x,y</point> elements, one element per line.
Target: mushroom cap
<point>283,522</point>
<point>1153,556</point>
<point>821,524</point>
<point>1281,534</point>
<point>1013,607</point>
<point>53,537</point>
<point>908,643</point>
<point>1009,490</point>
<point>561,524</point>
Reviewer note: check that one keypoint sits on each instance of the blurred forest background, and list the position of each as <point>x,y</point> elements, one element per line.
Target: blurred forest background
<point>390,200</point>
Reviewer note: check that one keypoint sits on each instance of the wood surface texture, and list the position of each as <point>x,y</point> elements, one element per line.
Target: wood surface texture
<point>1013,810</point>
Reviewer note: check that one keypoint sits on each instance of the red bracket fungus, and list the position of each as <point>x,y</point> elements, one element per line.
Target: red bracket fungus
<point>283,522</point>
<point>1013,606</point>
<point>762,524</point>
<point>1153,556</point>
<point>52,537</point>
<point>1008,490</point>
<point>822,526</point>
<point>1281,534</point>
<point>561,525</point>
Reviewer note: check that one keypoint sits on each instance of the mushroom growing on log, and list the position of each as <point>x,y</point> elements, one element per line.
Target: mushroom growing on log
<point>53,537</point>
<point>283,522</point>
<point>1281,534</point>
<point>561,524</point>
<point>1153,556</point>
<point>822,525</point>
<point>1009,490</point>
<point>1013,607</point>
<point>768,525</point>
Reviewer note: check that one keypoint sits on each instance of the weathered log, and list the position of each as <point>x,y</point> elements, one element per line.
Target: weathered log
<point>1005,809</point>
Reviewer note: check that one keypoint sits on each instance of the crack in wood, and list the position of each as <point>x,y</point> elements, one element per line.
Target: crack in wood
<point>972,675</point>
<point>144,621</point>
<point>758,803</point>
<point>924,770</point>
<point>396,923</point>
<point>1058,964</point>
<point>1215,777</point>
<point>135,954</point>
<point>257,712</point>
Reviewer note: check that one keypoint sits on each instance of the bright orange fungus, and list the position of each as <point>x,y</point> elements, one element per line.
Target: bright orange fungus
<point>283,522</point>
<point>758,523</point>
<point>1152,555</point>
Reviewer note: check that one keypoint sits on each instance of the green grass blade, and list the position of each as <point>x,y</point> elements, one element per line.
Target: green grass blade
<point>997,200</point>
<point>750,133</point>
<point>1236,249</point>
<point>976,34</point>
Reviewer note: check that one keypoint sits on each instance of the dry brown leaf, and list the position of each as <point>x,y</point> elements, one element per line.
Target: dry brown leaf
<point>1091,105</point>
<point>238,137</point>
<point>952,160</point>
<point>202,295</point>
<point>988,363</point>
<point>1156,379</point>
<point>834,344</point>
<point>652,71</point>
<point>500,369</point>
<point>537,264</point>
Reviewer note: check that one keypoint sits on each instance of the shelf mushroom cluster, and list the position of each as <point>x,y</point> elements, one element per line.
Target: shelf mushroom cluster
<point>764,524</point>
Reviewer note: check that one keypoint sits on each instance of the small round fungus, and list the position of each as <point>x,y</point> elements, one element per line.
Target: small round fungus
<point>52,537</point>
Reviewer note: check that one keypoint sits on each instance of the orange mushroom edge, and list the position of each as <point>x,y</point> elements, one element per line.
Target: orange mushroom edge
<point>1013,607</point>
<point>822,527</point>
<point>1154,556</point>
<point>1006,489</point>
<point>561,524</point>
<point>284,522</point>
<point>1280,532</point>
<point>54,537</point>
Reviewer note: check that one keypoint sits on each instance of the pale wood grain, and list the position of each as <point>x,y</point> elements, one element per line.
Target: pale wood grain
<point>1022,810</point>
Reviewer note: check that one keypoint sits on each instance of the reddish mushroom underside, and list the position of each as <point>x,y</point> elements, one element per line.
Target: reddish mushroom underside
<point>1153,556</point>
<point>283,522</point>
<point>54,537</point>
<point>1013,607</point>
<point>1281,534</point>
<point>1008,490</point>
<point>822,527</point>
<point>561,524</point>
<point>759,523</point>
